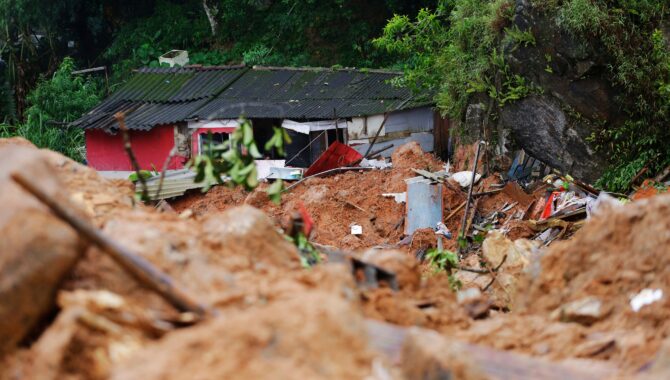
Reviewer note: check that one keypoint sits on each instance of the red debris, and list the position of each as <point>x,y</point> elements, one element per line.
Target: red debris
<point>336,156</point>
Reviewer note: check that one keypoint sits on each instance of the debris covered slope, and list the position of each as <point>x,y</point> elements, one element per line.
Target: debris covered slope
<point>523,311</point>
<point>237,262</point>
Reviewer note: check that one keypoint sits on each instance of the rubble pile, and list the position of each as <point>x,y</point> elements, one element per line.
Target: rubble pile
<point>516,305</point>
<point>354,198</point>
<point>236,262</point>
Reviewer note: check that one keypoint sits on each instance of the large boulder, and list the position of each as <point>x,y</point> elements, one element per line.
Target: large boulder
<point>36,249</point>
<point>577,96</point>
<point>541,127</point>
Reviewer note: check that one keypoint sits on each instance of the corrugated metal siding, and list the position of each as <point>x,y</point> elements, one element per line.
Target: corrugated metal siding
<point>416,120</point>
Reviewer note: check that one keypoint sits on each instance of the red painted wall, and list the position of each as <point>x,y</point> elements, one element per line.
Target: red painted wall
<point>105,151</point>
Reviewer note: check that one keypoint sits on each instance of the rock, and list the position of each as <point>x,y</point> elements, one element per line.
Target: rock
<point>37,249</point>
<point>474,118</point>
<point>585,311</point>
<point>315,335</point>
<point>406,268</point>
<point>660,367</point>
<point>496,246</point>
<point>573,74</point>
<point>250,232</point>
<point>540,126</point>
<point>596,345</point>
<point>474,302</point>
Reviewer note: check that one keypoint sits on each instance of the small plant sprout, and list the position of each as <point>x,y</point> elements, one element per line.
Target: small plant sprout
<point>443,260</point>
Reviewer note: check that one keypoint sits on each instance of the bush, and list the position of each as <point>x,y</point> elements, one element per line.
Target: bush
<point>52,104</point>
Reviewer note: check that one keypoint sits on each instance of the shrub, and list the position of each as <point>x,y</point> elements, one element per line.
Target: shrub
<point>52,104</point>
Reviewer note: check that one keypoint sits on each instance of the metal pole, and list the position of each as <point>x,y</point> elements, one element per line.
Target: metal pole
<point>469,200</point>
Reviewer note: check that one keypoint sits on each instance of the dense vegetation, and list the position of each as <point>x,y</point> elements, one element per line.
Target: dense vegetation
<point>454,48</point>
<point>37,35</point>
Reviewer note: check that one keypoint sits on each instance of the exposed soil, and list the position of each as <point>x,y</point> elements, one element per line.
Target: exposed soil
<point>339,201</point>
<point>275,319</point>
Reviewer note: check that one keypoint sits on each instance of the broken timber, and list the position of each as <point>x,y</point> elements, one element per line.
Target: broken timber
<point>138,267</point>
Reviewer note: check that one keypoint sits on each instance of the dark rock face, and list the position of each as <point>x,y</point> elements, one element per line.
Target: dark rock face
<point>540,126</point>
<point>568,67</point>
<point>572,72</point>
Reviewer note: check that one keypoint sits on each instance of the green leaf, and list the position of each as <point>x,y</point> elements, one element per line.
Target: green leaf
<point>252,178</point>
<point>275,190</point>
<point>253,151</point>
<point>248,133</point>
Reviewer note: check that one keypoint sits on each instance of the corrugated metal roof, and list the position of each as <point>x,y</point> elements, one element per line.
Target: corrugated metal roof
<point>156,96</point>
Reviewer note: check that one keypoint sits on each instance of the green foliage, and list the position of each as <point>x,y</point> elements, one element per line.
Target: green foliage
<point>234,160</point>
<point>141,41</point>
<point>309,256</point>
<point>639,57</point>
<point>63,98</point>
<point>452,51</point>
<point>53,103</point>
<point>146,174</point>
<point>519,37</point>
<point>581,16</point>
<point>442,260</point>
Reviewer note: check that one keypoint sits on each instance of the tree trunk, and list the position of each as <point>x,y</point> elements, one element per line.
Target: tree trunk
<point>211,13</point>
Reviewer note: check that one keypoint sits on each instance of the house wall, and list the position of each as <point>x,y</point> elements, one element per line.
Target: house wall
<point>105,151</point>
<point>412,121</point>
<point>400,128</point>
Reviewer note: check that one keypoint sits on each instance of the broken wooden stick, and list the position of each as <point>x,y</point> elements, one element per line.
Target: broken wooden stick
<point>494,273</point>
<point>352,205</point>
<point>454,212</point>
<point>121,119</point>
<point>139,268</point>
<point>489,192</point>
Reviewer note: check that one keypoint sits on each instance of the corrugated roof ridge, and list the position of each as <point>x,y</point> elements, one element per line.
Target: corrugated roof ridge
<point>188,68</point>
<point>330,69</point>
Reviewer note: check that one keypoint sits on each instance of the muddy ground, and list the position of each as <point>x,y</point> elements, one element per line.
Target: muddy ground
<point>566,306</point>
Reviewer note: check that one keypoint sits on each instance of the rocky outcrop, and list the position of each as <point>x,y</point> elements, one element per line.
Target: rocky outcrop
<point>576,95</point>
<point>540,126</point>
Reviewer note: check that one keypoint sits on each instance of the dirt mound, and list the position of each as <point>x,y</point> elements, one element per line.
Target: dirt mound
<point>36,248</point>
<point>314,336</point>
<point>576,300</point>
<point>614,256</point>
<point>218,198</point>
<point>336,202</point>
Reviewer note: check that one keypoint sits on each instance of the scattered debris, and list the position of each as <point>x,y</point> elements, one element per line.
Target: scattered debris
<point>585,311</point>
<point>498,312</point>
<point>644,298</point>
<point>465,178</point>
<point>398,197</point>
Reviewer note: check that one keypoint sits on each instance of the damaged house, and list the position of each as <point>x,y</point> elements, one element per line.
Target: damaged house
<point>184,107</point>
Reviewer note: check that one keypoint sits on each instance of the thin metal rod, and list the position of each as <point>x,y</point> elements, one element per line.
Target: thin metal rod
<point>379,130</point>
<point>169,158</point>
<point>469,199</point>
<point>139,268</point>
<point>303,149</point>
<point>324,173</point>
